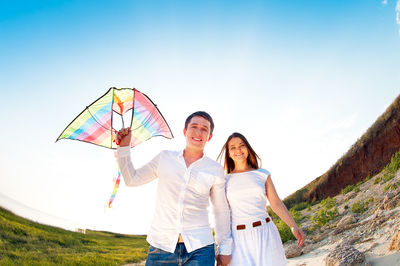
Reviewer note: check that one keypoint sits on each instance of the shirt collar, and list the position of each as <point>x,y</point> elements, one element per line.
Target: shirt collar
<point>181,154</point>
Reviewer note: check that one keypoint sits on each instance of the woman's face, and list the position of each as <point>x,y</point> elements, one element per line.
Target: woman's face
<point>238,151</point>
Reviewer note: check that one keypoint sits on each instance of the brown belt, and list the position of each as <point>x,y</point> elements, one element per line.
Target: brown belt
<point>255,224</point>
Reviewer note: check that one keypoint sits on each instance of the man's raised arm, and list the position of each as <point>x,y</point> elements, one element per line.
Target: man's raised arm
<point>132,176</point>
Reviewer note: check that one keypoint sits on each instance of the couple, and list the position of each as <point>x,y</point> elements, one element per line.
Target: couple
<point>180,233</point>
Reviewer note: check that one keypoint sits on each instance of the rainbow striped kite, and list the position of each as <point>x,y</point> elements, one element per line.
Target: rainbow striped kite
<point>95,123</point>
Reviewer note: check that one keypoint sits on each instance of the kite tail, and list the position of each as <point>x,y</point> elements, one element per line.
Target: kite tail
<point>116,185</point>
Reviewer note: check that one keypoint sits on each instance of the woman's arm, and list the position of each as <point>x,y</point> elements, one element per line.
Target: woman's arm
<point>280,209</point>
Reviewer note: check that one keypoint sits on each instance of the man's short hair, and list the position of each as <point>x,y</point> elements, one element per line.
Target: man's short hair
<point>203,114</point>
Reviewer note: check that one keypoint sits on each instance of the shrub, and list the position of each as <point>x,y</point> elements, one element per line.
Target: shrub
<point>324,215</point>
<point>284,230</point>
<point>296,215</point>
<point>347,189</point>
<point>387,177</point>
<point>390,169</point>
<point>271,213</point>
<point>371,200</point>
<point>311,229</point>
<point>390,186</point>
<point>315,203</point>
<point>359,206</point>
<point>356,189</point>
<point>377,180</point>
<point>300,206</point>
<point>298,196</point>
<point>328,203</point>
<point>394,164</point>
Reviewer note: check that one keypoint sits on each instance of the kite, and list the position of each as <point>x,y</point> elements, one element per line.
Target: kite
<point>95,123</point>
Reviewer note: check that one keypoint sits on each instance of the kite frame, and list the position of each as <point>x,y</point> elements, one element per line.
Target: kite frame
<point>112,116</point>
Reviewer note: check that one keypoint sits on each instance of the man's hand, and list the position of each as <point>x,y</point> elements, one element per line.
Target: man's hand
<point>223,260</point>
<point>124,137</point>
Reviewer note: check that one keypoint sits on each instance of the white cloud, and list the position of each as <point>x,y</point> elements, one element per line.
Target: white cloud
<point>397,9</point>
<point>398,13</point>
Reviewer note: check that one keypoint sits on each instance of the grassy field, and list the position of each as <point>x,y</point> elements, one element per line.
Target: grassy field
<point>23,242</point>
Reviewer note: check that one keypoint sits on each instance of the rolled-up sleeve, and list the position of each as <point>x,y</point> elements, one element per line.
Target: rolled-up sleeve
<point>132,176</point>
<point>221,210</point>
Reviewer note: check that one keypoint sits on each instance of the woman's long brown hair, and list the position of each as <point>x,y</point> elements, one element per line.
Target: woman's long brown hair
<point>229,164</point>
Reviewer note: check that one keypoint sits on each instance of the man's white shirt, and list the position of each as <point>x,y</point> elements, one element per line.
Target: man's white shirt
<point>183,195</point>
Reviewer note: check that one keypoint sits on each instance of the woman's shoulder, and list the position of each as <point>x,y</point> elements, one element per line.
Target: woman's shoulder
<point>263,171</point>
<point>259,171</point>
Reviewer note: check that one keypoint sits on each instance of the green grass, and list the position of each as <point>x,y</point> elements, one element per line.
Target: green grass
<point>23,242</point>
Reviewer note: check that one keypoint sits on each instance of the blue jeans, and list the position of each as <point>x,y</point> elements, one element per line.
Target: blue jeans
<point>199,257</point>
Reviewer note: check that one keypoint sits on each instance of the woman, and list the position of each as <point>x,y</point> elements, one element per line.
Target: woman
<point>256,240</point>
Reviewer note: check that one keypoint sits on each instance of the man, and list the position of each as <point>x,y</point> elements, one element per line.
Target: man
<point>180,233</point>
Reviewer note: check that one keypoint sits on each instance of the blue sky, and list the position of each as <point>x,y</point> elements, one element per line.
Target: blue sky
<point>301,79</point>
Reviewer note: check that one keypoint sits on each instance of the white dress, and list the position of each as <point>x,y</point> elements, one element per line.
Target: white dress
<point>260,245</point>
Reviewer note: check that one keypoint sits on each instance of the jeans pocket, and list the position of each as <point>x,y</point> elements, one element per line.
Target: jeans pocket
<point>154,250</point>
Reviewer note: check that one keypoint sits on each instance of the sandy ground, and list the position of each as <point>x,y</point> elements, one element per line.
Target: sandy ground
<point>314,258</point>
<point>376,253</point>
<point>317,258</point>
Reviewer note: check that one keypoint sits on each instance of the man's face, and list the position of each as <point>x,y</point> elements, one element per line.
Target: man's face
<point>197,133</point>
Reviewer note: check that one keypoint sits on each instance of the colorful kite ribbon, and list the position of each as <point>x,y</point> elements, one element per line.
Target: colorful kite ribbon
<point>117,181</point>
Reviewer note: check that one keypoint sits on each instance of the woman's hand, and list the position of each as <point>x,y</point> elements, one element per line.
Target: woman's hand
<point>124,137</point>
<point>299,235</point>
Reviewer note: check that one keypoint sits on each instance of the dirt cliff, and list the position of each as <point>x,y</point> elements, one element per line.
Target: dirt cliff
<point>366,157</point>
